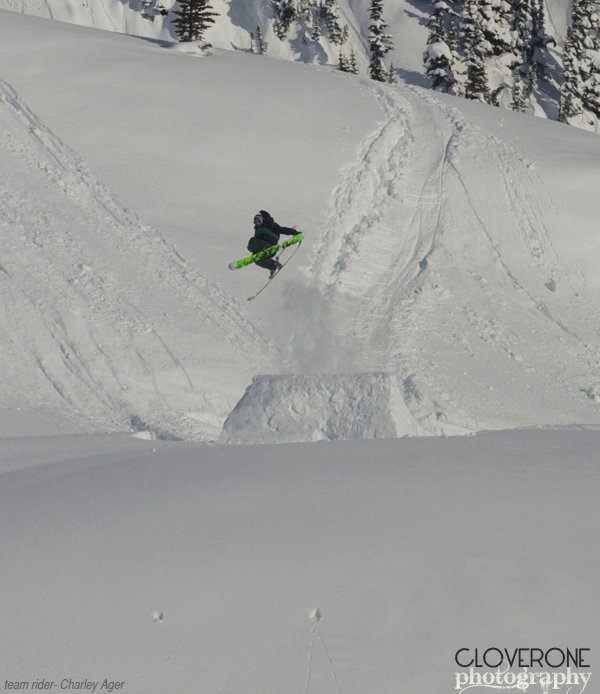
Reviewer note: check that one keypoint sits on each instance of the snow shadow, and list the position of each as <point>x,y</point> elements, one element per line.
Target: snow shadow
<point>246,15</point>
<point>423,8</point>
<point>413,78</point>
<point>310,51</point>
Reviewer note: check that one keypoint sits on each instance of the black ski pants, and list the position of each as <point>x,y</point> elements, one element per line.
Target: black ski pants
<point>255,245</point>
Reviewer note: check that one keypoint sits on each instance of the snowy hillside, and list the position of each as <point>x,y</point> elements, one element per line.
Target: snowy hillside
<point>237,22</point>
<point>238,18</point>
<point>456,252</point>
<point>448,283</point>
<point>84,317</point>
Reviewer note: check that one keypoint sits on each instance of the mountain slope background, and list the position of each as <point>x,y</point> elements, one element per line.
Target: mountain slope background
<point>238,18</point>
<point>450,247</point>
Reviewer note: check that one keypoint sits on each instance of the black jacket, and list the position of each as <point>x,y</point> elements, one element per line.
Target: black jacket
<point>270,230</point>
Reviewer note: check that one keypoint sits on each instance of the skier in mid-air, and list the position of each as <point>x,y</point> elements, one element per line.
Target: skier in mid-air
<point>266,234</point>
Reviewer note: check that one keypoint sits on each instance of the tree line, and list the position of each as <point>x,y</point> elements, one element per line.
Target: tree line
<point>313,19</point>
<point>466,39</point>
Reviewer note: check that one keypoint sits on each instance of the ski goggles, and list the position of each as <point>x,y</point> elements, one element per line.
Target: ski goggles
<point>258,220</point>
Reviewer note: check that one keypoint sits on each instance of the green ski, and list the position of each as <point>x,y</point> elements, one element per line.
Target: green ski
<point>236,265</point>
<point>251,298</point>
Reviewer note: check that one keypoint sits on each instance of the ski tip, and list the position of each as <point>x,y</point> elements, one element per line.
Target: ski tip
<point>233,266</point>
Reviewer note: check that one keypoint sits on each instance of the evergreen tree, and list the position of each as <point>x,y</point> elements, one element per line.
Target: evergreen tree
<point>540,39</point>
<point>391,73</point>
<point>380,42</point>
<point>495,24</point>
<point>476,86</point>
<point>193,19</point>
<point>524,71</point>
<point>589,67</point>
<point>285,14</point>
<point>441,56</point>
<point>338,33</point>
<point>519,98</point>
<point>352,66</point>
<point>257,43</point>
<point>342,62</point>
<point>571,92</point>
<point>580,91</point>
<point>315,17</point>
<point>531,43</point>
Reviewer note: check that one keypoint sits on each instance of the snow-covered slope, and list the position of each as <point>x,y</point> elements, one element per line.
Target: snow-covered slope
<point>125,16</point>
<point>456,251</point>
<point>101,318</point>
<point>448,283</point>
<point>238,18</point>
<point>345,567</point>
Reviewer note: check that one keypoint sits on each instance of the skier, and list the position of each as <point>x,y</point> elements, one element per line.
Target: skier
<point>266,234</point>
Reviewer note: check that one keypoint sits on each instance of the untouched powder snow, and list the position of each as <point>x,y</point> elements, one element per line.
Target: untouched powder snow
<point>345,567</point>
<point>111,15</point>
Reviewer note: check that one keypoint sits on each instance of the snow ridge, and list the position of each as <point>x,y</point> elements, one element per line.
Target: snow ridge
<point>385,214</point>
<point>437,250</point>
<point>89,294</point>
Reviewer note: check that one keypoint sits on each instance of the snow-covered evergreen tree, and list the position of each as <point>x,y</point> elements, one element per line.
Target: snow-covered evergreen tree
<point>352,64</point>
<point>342,62</point>
<point>580,90</point>
<point>495,24</point>
<point>476,49</point>
<point>441,56</point>
<point>347,64</point>
<point>519,96</point>
<point>571,92</point>
<point>330,14</point>
<point>589,66</point>
<point>540,38</point>
<point>285,14</point>
<point>531,44</point>
<point>391,73</point>
<point>193,19</point>
<point>315,17</point>
<point>257,42</point>
<point>380,42</point>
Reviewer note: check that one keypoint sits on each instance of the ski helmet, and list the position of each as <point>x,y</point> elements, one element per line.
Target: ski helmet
<point>258,220</point>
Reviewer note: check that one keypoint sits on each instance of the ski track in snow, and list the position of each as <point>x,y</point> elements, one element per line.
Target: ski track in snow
<point>441,297</point>
<point>412,229</point>
<point>88,293</point>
